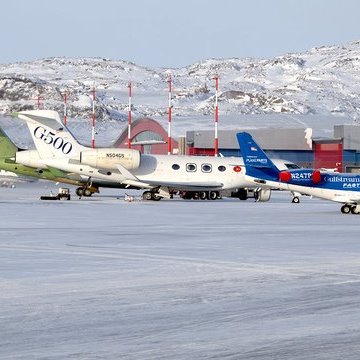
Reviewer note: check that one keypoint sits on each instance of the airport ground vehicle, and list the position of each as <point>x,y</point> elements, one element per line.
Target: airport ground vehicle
<point>64,193</point>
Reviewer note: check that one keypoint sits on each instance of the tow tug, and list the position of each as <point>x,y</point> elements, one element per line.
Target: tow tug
<point>64,193</point>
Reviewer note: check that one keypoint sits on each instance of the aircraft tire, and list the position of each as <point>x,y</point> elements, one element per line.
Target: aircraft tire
<point>213,195</point>
<point>195,195</point>
<point>295,200</point>
<point>79,191</point>
<point>346,209</point>
<point>203,195</point>
<point>186,195</point>
<point>87,192</point>
<point>147,195</point>
<point>354,211</point>
<point>155,197</point>
<point>243,194</point>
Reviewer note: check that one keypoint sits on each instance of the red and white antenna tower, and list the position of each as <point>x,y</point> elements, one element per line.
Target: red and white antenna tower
<point>93,118</point>
<point>65,107</point>
<point>129,117</point>
<point>38,98</point>
<point>216,143</point>
<point>169,117</point>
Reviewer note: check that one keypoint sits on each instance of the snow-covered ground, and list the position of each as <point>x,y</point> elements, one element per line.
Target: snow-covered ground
<point>102,278</point>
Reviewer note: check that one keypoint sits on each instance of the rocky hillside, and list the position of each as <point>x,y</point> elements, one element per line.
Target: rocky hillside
<point>323,80</point>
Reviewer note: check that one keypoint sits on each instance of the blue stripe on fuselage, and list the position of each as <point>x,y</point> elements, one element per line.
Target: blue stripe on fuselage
<point>341,182</point>
<point>333,181</point>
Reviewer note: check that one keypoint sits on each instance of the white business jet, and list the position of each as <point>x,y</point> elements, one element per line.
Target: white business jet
<point>203,177</point>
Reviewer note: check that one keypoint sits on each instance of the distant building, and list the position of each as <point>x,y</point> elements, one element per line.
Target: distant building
<point>331,142</point>
<point>148,136</point>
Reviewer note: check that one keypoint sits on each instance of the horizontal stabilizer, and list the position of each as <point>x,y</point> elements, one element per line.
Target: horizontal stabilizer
<point>45,117</point>
<point>7,147</point>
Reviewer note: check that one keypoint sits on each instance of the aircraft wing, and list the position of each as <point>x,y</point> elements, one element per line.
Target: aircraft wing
<point>346,199</point>
<point>131,179</point>
<point>355,201</point>
<point>60,173</point>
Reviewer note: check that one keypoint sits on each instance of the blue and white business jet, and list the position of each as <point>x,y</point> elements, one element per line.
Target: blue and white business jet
<point>343,188</point>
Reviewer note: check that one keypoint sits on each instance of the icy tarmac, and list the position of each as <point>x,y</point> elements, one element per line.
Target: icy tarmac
<point>102,278</point>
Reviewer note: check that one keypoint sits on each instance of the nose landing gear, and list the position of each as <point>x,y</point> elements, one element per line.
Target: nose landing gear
<point>295,200</point>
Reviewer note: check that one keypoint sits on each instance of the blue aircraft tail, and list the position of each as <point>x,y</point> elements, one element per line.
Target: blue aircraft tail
<point>256,162</point>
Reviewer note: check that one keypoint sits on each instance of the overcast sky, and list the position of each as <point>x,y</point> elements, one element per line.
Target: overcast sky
<point>159,33</point>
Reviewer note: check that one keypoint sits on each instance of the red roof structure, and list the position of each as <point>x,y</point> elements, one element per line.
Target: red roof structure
<point>150,134</point>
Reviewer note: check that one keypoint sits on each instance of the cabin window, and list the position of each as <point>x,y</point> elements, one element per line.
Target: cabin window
<point>206,168</point>
<point>191,167</point>
<point>221,168</point>
<point>176,166</point>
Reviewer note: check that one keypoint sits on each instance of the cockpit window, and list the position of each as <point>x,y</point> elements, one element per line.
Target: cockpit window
<point>291,166</point>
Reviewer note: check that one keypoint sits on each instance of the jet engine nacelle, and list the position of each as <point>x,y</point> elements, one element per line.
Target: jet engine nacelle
<point>109,158</point>
<point>262,195</point>
<point>29,158</point>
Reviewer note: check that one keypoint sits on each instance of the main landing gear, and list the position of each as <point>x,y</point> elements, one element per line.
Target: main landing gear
<point>202,195</point>
<point>187,195</point>
<point>151,195</point>
<point>87,190</point>
<point>350,208</point>
<point>82,191</point>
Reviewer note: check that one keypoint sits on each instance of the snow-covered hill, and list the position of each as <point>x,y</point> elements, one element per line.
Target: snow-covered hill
<point>324,80</point>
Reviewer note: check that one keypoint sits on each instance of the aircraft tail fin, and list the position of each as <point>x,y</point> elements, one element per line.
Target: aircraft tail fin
<point>256,162</point>
<point>52,139</point>
<point>7,147</point>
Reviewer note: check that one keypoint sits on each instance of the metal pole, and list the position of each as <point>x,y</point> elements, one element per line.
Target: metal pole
<point>129,117</point>
<point>216,144</point>
<point>93,120</point>
<point>65,109</point>
<point>169,117</point>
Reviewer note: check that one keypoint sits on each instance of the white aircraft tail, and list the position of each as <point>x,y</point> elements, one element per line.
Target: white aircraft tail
<point>52,139</point>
